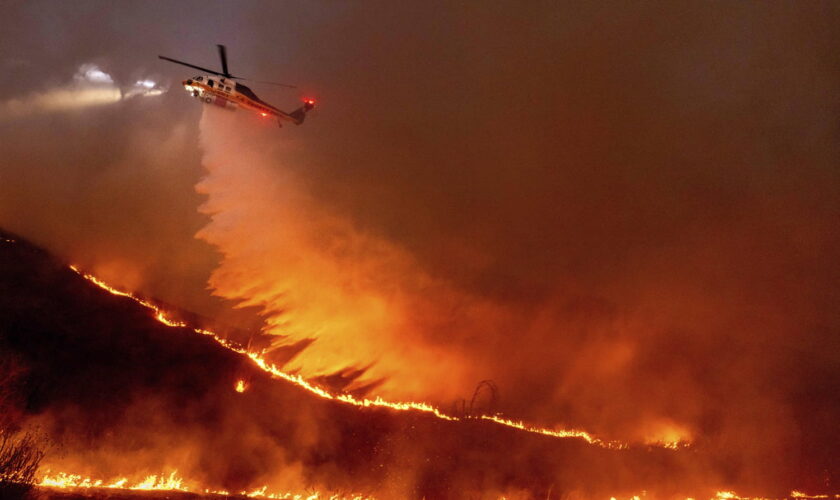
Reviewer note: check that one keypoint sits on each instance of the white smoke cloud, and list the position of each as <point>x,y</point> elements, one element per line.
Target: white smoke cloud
<point>144,88</point>
<point>89,87</point>
<point>90,73</point>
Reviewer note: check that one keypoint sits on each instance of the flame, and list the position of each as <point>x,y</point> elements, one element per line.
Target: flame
<point>173,482</point>
<point>151,482</point>
<point>731,495</point>
<point>589,438</point>
<point>377,402</point>
<point>240,386</point>
<point>668,434</point>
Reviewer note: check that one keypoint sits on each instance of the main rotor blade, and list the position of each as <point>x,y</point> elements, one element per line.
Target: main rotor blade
<point>269,83</point>
<point>182,63</point>
<point>223,57</point>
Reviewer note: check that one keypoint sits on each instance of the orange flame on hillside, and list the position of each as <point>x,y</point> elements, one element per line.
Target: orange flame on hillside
<point>298,380</point>
<point>173,482</point>
<point>731,495</point>
<point>151,482</point>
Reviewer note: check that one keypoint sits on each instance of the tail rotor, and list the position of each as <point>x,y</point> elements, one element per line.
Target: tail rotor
<point>299,114</point>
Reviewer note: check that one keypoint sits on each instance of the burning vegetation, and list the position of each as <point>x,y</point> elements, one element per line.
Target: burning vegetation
<point>20,456</point>
<point>122,390</point>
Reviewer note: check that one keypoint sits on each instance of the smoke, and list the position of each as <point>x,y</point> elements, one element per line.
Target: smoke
<point>643,248</point>
<point>349,298</point>
<point>626,218</point>
<point>169,402</point>
<point>356,300</point>
<point>89,87</point>
<point>98,168</point>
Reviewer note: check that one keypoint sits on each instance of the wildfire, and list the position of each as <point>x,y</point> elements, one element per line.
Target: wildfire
<point>240,386</point>
<point>560,434</point>
<point>151,482</point>
<point>298,380</point>
<point>173,482</point>
<point>731,495</point>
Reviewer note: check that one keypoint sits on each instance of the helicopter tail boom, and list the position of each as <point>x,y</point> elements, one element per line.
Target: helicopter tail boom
<point>298,115</point>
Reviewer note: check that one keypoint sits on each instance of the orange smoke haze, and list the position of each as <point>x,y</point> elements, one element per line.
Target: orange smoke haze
<point>362,301</point>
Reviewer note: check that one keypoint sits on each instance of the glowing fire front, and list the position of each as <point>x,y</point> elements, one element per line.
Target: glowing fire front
<point>151,482</point>
<point>173,482</point>
<point>298,380</point>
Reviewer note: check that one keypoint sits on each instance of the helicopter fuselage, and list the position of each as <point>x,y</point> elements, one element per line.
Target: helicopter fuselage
<point>224,93</point>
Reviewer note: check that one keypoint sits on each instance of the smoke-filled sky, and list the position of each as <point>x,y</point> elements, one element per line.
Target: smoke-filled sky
<point>626,215</point>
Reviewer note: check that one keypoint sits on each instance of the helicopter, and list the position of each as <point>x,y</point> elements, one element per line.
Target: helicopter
<point>224,91</point>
